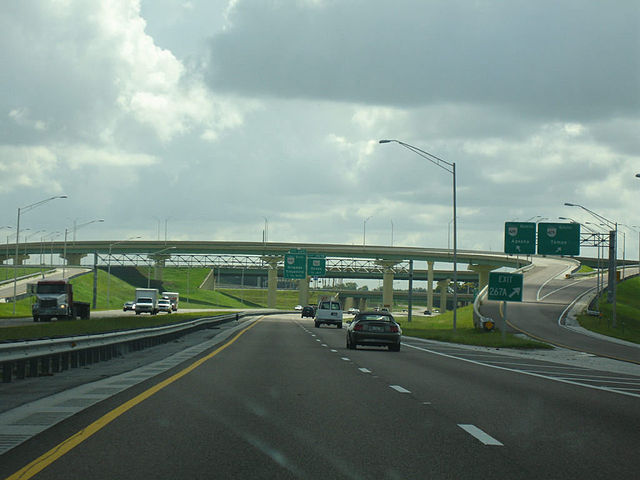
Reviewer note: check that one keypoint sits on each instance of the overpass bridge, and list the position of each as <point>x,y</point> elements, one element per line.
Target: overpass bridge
<point>343,261</point>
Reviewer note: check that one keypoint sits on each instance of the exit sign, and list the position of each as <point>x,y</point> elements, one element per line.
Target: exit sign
<point>505,287</point>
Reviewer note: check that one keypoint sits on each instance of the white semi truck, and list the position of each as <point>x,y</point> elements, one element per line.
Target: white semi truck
<point>146,300</point>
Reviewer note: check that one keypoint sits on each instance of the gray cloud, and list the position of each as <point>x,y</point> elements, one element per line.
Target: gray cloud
<point>560,60</point>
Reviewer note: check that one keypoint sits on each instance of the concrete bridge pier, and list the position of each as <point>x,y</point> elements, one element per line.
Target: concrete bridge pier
<point>159,261</point>
<point>443,285</point>
<point>303,291</point>
<point>348,303</point>
<point>73,258</point>
<point>387,282</point>
<point>483,273</point>
<point>272,278</point>
<point>362,304</point>
<point>430,286</point>
<point>20,260</point>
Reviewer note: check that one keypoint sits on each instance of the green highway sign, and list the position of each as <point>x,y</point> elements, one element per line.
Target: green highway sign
<point>295,265</point>
<point>316,265</point>
<point>559,239</point>
<point>520,238</point>
<point>505,287</point>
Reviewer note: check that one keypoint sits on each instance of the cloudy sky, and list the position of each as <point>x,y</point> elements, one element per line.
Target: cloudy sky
<point>211,116</point>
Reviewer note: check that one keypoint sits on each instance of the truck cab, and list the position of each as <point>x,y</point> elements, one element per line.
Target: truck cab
<point>54,299</point>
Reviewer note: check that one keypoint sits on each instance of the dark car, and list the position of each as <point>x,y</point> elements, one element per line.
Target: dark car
<point>375,329</point>
<point>308,311</point>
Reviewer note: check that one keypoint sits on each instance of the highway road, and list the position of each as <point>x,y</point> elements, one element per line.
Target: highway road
<point>547,295</point>
<point>278,398</point>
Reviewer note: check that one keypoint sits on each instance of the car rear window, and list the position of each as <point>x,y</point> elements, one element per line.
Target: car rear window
<point>376,318</point>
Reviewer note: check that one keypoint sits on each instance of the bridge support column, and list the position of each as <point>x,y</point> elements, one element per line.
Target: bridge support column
<point>483,273</point>
<point>158,264</point>
<point>272,279</point>
<point>303,291</point>
<point>20,260</point>
<point>73,258</point>
<point>430,286</point>
<point>387,282</point>
<point>362,304</point>
<point>443,285</point>
<point>348,303</point>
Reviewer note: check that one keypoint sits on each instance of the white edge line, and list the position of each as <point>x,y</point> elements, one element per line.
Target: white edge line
<point>563,272</point>
<point>561,288</point>
<point>575,300</point>
<point>525,372</point>
<point>480,435</point>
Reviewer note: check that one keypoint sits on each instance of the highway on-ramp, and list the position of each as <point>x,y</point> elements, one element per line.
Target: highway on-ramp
<point>547,297</point>
<point>278,398</point>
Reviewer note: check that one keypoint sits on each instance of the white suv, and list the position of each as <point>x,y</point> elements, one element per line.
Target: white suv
<point>329,312</point>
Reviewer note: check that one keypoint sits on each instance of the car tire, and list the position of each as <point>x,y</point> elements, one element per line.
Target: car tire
<point>317,325</point>
<point>394,348</point>
<point>339,325</point>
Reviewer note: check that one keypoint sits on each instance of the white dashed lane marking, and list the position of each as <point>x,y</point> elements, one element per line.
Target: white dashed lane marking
<point>400,389</point>
<point>364,370</point>
<point>479,434</point>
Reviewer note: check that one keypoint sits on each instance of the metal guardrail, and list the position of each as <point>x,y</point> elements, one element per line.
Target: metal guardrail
<point>44,357</point>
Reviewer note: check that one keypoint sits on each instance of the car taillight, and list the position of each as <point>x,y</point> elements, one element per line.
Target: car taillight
<point>394,329</point>
<point>358,327</point>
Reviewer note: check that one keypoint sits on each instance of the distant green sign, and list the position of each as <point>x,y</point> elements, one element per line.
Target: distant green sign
<point>505,287</point>
<point>559,239</point>
<point>295,265</point>
<point>316,265</point>
<point>520,238</point>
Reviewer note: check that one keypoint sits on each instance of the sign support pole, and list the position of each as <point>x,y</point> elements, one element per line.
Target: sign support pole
<point>504,321</point>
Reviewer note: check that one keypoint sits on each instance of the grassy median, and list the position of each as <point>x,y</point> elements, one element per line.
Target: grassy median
<point>440,327</point>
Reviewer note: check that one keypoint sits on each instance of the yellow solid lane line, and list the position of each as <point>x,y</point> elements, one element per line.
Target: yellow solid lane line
<point>70,443</point>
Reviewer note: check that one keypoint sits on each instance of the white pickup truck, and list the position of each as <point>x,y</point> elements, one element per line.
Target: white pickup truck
<point>328,312</point>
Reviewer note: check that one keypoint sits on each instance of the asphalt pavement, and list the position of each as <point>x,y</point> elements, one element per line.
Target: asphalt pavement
<point>287,400</point>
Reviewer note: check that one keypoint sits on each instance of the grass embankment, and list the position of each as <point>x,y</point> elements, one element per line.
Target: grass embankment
<point>440,328</point>
<point>585,269</point>
<point>627,313</point>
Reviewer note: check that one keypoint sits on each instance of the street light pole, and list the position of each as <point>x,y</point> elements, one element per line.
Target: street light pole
<point>451,168</point>
<point>613,256</point>
<point>15,261</point>
<point>364,231</point>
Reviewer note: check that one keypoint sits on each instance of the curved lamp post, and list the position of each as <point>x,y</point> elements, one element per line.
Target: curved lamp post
<point>613,227</point>
<point>364,230</point>
<point>451,168</point>
<point>22,210</point>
